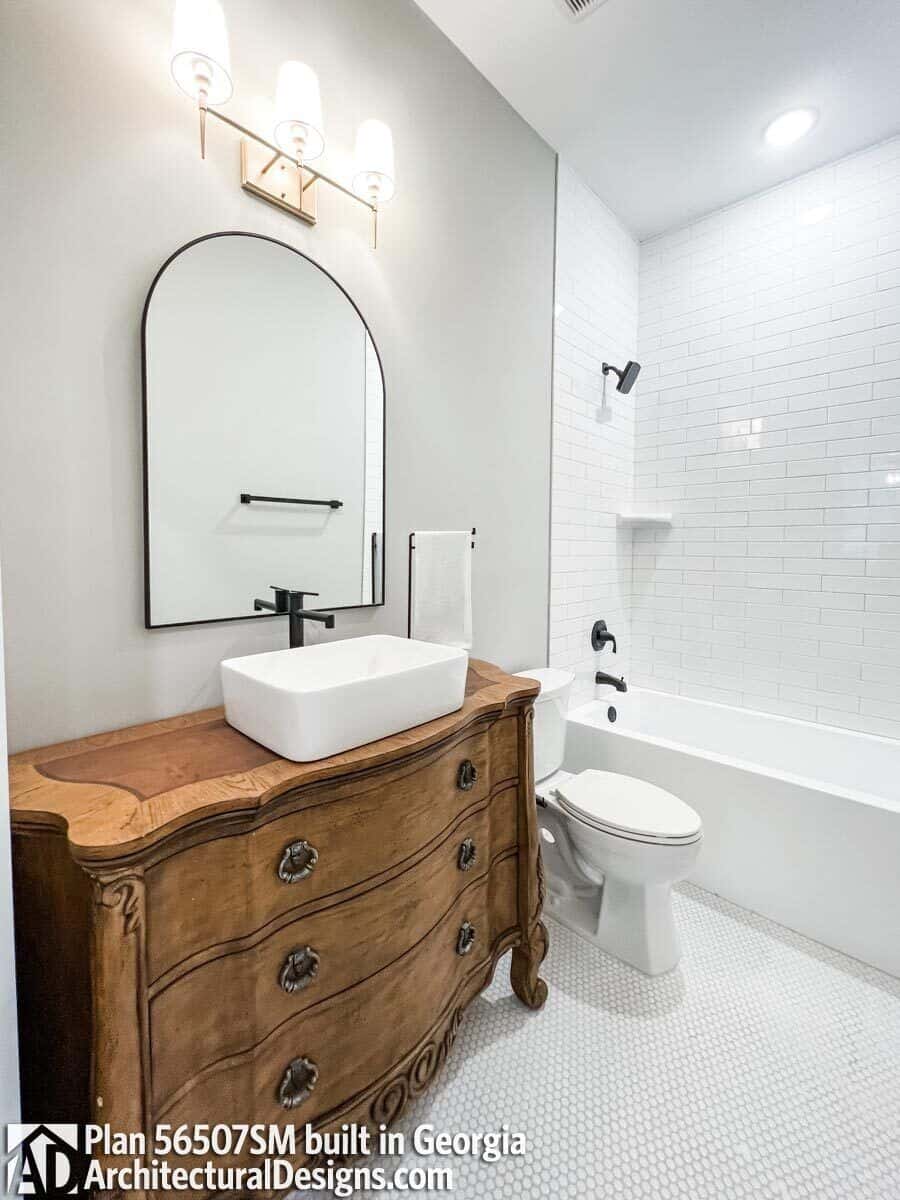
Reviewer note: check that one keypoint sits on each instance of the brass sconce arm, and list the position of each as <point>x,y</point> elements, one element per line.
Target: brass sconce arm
<point>278,153</point>
<point>255,180</point>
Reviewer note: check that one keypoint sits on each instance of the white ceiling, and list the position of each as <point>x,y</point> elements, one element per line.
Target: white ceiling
<point>660,105</point>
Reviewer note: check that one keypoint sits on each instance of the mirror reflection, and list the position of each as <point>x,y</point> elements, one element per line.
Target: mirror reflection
<point>264,435</point>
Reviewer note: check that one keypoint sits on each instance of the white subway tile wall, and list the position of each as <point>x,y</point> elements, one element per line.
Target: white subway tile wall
<point>768,423</point>
<point>593,432</point>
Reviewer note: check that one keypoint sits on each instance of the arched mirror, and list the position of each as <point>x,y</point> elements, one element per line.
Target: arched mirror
<point>263,435</point>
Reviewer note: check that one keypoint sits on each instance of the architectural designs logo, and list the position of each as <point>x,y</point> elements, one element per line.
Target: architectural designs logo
<point>44,1160</point>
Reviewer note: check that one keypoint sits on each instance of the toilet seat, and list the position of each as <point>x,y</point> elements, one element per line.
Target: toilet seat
<point>625,807</point>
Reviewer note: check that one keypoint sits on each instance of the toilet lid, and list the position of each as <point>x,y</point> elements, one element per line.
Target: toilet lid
<point>553,681</point>
<point>623,804</point>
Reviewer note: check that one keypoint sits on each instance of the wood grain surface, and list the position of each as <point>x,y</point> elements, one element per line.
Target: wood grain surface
<point>138,784</point>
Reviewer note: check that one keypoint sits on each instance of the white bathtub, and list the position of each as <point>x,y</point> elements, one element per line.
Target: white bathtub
<point>801,821</point>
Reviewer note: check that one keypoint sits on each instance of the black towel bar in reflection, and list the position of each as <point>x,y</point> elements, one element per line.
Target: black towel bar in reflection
<point>247,498</point>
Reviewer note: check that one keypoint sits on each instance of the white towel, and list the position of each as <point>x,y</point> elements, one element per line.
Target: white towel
<point>441,587</point>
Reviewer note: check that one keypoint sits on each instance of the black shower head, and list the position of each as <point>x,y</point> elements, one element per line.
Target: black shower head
<point>627,375</point>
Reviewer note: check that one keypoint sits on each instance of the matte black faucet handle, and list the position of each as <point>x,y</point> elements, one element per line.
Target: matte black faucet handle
<point>600,636</point>
<point>291,591</point>
<point>285,598</point>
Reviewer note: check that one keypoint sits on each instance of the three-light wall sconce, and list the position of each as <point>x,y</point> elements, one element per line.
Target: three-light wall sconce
<point>277,170</point>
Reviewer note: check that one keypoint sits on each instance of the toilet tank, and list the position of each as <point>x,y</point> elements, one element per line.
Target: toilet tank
<point>550,709</point>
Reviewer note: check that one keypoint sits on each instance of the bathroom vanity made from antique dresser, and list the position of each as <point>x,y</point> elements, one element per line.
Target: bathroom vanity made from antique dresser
<point>207,933</point>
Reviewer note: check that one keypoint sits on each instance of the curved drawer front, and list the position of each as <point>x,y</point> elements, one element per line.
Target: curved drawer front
<point>342,836</point>
<point>353,1040</point>
<point>265,982</point>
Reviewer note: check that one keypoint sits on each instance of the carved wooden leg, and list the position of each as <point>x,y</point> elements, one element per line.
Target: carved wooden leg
<point>120,1061</point>
<point>526,962</point>
<point>528,956</point>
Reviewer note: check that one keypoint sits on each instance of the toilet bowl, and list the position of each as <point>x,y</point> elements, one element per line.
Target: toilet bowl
<point>613,844</point>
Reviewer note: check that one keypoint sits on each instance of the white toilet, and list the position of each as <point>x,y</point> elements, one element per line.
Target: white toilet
<point>613,844</point>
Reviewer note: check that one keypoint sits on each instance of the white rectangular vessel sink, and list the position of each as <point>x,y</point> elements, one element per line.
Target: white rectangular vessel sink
<point>316,701</point>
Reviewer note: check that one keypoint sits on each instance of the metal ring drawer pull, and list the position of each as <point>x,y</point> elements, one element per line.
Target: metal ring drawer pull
<point>466,775</point>
<point>297,862</point>
<point>468,853</point>
<point>298,1083</point>
<point>300,969</point>
<point>466,938</point>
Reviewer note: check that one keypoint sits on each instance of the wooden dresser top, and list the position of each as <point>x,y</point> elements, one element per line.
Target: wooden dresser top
<point>116,793</point>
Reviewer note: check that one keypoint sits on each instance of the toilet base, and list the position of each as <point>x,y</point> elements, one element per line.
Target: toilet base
<point>633,923</point>
<point>613,892</point>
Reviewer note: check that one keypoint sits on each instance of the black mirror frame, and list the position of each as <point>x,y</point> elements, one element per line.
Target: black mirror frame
<point>148,623</point>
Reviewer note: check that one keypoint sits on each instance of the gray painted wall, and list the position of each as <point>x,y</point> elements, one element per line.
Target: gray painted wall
<point>103,181</point>
<point>9,1065</point>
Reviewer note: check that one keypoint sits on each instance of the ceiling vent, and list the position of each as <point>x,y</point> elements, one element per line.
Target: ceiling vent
<point>577,9</point>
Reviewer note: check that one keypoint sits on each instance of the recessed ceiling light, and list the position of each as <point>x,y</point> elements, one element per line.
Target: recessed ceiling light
<point>790,126</point>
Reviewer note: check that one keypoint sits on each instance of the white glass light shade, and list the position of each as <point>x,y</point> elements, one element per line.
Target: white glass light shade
<point>298,112</point>
<point>790,126</point>
<point>374,178</point>
<point>200,57</point>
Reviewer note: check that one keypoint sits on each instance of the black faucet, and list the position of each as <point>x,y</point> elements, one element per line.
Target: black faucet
<point>619,684</point>
<point>600,636</point>
<point>291,602</point>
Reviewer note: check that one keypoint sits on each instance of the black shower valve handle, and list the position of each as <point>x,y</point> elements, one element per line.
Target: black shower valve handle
<point>600,636</point>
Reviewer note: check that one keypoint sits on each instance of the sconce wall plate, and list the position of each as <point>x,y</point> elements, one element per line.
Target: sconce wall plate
<point>279,181</point>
